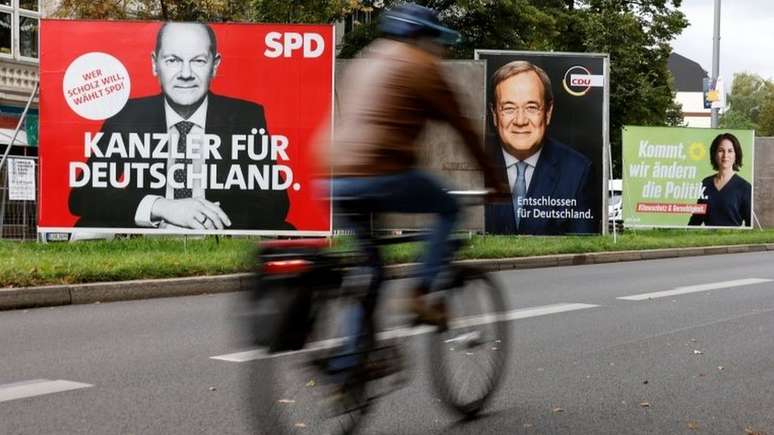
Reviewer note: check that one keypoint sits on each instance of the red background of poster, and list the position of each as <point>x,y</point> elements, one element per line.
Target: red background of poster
<point>296,94</point>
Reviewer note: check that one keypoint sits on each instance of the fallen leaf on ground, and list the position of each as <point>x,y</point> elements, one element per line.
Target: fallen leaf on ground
<point>299,425</point>
<point>286,401</point>
<point>645,382</point>
<point>750,431</point>
<point>698,352</point>
<point>558,410</point>
<point>645,404</point>
<point>527,425</point>
<point>311,383</point>
<point>692,425</point>
<point>721,368</point>
<point>212,388</point>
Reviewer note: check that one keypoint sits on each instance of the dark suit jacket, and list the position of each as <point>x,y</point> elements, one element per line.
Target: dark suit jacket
<point>560,173</point>
<point>247,209</point>
<point>727,207</point>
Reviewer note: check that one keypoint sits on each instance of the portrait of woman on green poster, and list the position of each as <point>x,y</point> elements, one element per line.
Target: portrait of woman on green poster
<point>727,196</point>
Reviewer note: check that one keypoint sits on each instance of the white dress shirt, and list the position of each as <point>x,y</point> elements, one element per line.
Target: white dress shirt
<point>142,216</point>
<point>510,163</point>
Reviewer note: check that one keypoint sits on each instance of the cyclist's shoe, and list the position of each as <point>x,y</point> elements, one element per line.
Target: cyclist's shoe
<point>429,314</point>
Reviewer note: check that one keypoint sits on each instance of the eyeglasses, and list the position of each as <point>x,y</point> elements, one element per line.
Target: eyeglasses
<point>530,110</point>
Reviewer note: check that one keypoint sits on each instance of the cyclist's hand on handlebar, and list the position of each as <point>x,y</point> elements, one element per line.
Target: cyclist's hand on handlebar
<point>500,190</point>
<point>495,196</point>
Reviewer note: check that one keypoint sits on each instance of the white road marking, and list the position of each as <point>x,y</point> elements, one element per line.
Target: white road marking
<point>37,387</point>
<point>694,289</point>
<point>255,354</point>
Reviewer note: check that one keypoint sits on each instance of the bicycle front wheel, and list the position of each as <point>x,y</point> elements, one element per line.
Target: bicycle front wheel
<point>469,358</point>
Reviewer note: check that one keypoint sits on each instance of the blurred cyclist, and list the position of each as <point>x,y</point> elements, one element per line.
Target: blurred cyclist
<point>391,92</point>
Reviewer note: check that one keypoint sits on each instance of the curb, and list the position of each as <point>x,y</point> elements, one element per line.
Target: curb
<point>53,295</point>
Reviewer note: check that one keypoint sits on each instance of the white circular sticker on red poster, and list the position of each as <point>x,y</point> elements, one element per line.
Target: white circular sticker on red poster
<point>96,86</point>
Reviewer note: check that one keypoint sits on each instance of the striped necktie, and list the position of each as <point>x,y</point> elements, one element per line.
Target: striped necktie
<point>519,190</point>
<point>184,127</point>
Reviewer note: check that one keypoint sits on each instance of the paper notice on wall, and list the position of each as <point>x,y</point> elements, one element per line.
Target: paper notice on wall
<point>21,179</point>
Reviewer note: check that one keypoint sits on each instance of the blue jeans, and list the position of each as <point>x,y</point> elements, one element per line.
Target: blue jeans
<point>412,191</point>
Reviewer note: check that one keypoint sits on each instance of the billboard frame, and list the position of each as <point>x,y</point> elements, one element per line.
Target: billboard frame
<point>607,167</point>
<point>753,216</point>
<point>41,231</point>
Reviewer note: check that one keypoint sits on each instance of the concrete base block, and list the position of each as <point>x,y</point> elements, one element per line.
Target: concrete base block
<point>715,250</point>
<point>154,288</point>
<point>30,297</point>
<point>612,257</point>
<point>691,252</point>
<point>531,262</point>
<point>738,249</point>
<point>658,253</point>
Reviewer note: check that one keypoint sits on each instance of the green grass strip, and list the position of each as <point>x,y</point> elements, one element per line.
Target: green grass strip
<point>31,264</point>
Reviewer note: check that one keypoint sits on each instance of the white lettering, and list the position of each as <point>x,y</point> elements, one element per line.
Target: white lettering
<point>86,173</point>
<point>235,177</point>
<point>277,181</point>
<point>90,144</point>
<point>278,145</point>
<point>274,45</point>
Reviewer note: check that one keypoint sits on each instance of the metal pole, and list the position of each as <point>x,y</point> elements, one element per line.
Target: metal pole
<point>716,61</point>
<point>2,201</point>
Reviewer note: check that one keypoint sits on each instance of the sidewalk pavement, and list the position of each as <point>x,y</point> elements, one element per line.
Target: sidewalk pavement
<point>30,297</point>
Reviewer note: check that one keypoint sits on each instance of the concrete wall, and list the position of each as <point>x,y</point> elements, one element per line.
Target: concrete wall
<point>441,149</point>
<point>763,202</point>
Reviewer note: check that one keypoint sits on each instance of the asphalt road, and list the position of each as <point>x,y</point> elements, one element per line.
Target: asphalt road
<point>696,359</point>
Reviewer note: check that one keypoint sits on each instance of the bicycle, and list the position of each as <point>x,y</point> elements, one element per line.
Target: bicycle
<point>310,283</point>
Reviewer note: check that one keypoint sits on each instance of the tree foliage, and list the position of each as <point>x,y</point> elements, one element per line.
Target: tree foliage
<point>751,105</point>
<point>277,11</point>
<point>305,11</point>
<point>182,10</point>
<point>636,34</point>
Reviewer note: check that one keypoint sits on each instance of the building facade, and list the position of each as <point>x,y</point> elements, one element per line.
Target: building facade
<point>689,82</point>
<point>19,54</point>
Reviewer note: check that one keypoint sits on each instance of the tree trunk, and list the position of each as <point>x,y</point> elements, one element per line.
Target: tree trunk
<point>164,13</point>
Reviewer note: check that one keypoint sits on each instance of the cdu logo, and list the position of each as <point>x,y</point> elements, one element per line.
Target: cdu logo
<point>578,80</point>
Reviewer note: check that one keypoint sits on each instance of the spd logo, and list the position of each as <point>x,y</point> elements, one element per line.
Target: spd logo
<point>578,80</point>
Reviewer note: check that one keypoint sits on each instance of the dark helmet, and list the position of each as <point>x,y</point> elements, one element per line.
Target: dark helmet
<point>409,20</point>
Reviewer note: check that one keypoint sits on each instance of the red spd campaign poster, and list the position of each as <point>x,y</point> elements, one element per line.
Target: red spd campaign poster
<point>150,127</point>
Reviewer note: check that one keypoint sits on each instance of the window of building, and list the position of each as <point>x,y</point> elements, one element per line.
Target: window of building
<point>30,5</point>
<point>6,30</point>
<point>19,23</point>
<point>28,36</point>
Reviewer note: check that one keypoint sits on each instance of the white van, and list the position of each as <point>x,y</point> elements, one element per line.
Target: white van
<point>615,201</point>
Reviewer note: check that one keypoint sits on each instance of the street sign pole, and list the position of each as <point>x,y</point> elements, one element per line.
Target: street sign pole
<point>716,62</point>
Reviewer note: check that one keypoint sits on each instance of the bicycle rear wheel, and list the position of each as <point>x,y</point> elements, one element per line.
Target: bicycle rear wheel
<point>469,358</point>
<point>289,393</point>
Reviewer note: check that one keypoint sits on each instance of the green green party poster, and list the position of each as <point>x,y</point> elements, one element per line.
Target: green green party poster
<point>687,177</point>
